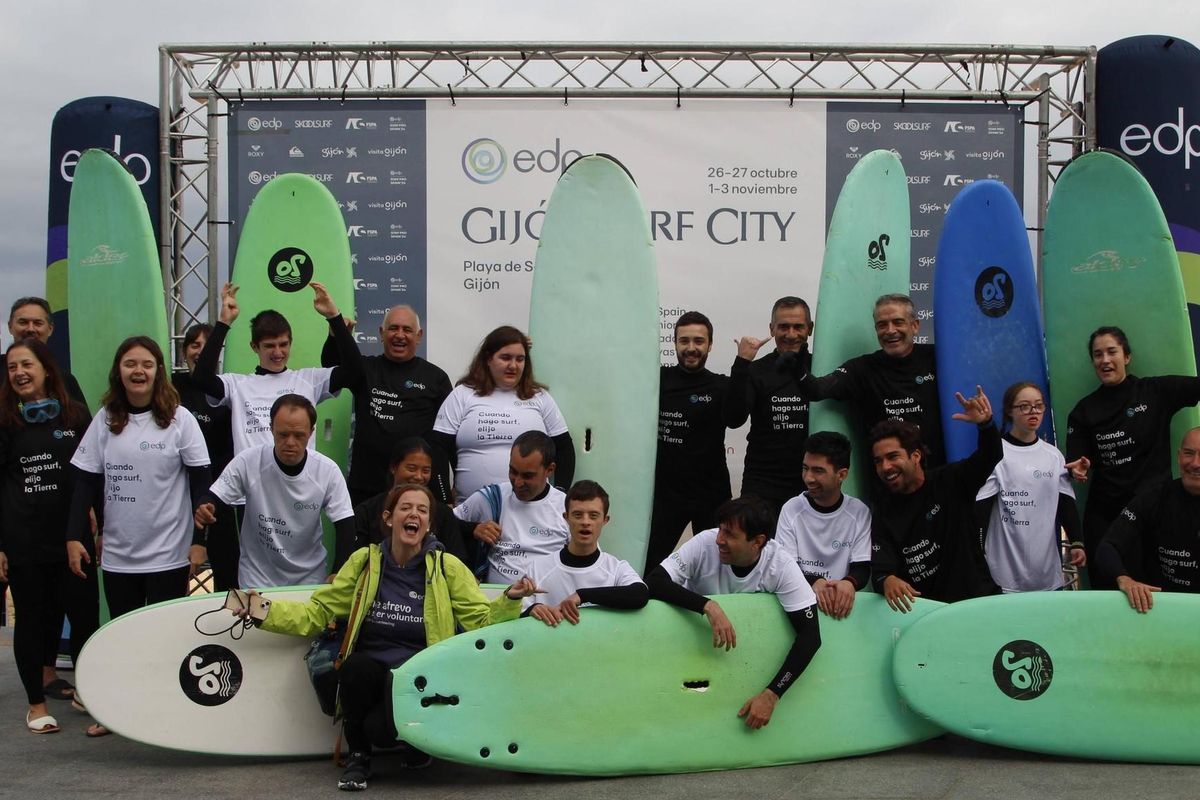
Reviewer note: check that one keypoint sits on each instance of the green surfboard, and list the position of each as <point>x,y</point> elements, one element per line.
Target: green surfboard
<point>114,286</point>
<point>592,700</point>
<point>1071,673</point>
<point>1109,260</point>
<point>593,319</point>
<point>294,233</point>
<point>866,255</point>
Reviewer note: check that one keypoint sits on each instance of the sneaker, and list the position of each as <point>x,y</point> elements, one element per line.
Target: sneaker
<point>358,769</point>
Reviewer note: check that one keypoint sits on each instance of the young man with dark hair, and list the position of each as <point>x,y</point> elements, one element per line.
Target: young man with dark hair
<point>741,556</point>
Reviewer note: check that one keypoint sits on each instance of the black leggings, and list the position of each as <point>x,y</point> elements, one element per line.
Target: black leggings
<point>365,691</point>
<point>224,549</point>
<point>673,512</point>
<point>128,591</point>
<point>42,593</point>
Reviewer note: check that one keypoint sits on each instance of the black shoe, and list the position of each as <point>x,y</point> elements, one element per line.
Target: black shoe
<point>358,769</point>
<point>412,758</point>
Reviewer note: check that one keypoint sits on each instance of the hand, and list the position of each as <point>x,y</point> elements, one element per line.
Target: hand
<point>838,597</point>
<point>1078,557</point>
<point>93,525</point>
<point>758,709</point>
<point>522,588</point>
<point>77,556</point>
<point>748,347</point>
<point>546,614</point>
<point>229,307</point>
<point>723,632</point>
<point>1079,468</point>
<point>197,557</point>
<point>900,595</point>
<point>329,578</point>
<point>244,611</point>
<point>977,409</point>
<point>204,515</point>
<point>487,532</point>
<point>322,302</point>
<point>3,567</point>
<point>350,323</point>
<point>569,608</point>
<point>819,586</point>
<point>1140,595</point>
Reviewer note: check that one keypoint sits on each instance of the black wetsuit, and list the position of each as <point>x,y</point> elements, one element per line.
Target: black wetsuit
<point>1156,539</point>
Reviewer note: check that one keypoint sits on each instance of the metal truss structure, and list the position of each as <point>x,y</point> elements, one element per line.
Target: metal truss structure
<point>199,82</point>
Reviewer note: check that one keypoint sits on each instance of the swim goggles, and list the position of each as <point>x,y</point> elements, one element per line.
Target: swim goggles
<point>40,410</point>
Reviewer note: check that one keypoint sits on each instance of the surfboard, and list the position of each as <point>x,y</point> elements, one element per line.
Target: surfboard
<point>595,280</point>
<point>1109,260</point>
<point>114,283</point>
<point>581,700</point>
<point>866,255</point>
<point>1070,673</point>
<point>151,676</point>
<point>987,314</point>
<point>294,234</point>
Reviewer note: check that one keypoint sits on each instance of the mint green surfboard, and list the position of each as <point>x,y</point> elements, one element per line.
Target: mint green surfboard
<point>1072,673</point>
<point>593,318</point>
<point>866,255</point>
<point>294,233</point>
<point>636,692</point>
<point>1109,259</point>
<point>114,286</point>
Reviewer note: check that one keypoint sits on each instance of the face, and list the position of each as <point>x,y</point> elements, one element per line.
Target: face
<point>1189,462</point>
<point>291,430</point>
<point>26,374</point>
<point>1109,360</point>
<point>527,474</point>
<point>138,368</point>
<point>822,480</point>
<point>735,548</point>
<point>691,346</point>
<point>507,365</point>
<point>273,352</point>
<point>414,468</point>
<point>192,351</point>
<point>409,519</point>
<point>895,329</point>
<point>30,320</point>
<point>900,471</point>
<point>585,520</point>
<point>1027,411</point>
<point>400,334</point>
<point>790,327</point>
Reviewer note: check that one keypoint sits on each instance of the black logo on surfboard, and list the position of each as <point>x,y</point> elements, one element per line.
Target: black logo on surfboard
<point>210,675</point>
<point>290,269</point>
<point>877,252</point>
<point>994,292</point>
<point>1023,669</point>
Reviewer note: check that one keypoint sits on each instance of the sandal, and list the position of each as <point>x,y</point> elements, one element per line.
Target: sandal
<point>59,689</point>
<point>43,724</point>
<point>96,730</point>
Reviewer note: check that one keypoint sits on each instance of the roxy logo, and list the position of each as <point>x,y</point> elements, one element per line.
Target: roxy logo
<point>1022,670</point>
<point>210,675</point>
<point>1169,139</point>
<point>877,252</point>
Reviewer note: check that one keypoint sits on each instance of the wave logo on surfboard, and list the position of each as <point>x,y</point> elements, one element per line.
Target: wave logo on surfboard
<point>877,252</point>
<point>994,292</point>
<point>210,675</point>
<point>484,160</point>
<point>1022,669</point>
<point>1107,261</point>
<point>104,254</point>
<point>290,269</point>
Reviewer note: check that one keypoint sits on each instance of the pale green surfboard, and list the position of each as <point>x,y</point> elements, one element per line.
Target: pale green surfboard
<point>593,318</point>
<point>628,692</point>
<point>1109,259</point>
<point>866,255</point>
<point>115,287</point>
<point>294,233</point>
<point>1072,673</point>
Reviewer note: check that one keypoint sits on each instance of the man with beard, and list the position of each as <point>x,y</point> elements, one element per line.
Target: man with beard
<point>691,478</point>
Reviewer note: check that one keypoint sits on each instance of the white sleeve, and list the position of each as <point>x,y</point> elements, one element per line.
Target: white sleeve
<point>337,496</point>
<point>785,531</point>
<point>192,447</point>
<point>534,572</point>
<point>454,408</point>
<point>89,456</point>
<point>625,574</point>
<point>552,418</point>
<point>683,563</point>
<point>790,586</point>
<point>230,487</point>
<point>860,541</point>
<point>318,378</point>
<point>475,508</point>
<point>1064,476</point>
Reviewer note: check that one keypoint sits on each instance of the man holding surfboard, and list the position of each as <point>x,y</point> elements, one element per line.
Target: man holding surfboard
<point>741,556</point>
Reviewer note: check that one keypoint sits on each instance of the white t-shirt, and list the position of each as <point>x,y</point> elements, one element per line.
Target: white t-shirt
<point>250,398</point>
<point>824,545</point>
<point>147,507</point>
<point>1022,547</point>
<point>484,427</point>
<point>697,566</point>
<point>281,527</point>
<point>560,581</point>
<point>526,529</point>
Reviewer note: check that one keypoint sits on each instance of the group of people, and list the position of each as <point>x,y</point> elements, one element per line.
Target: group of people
<point>452,484</point>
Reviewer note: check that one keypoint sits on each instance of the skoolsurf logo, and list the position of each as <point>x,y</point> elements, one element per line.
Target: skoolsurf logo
<point>877,252</point>
<point>290,269</point>
<point>210,675</point>
<point>1022,669</point>
<point>994,292</point>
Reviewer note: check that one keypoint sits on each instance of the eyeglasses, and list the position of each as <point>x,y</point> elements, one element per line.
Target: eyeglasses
<point>1025,408</point>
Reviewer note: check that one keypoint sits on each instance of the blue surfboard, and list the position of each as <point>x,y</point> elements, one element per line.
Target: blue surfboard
<point>987,316</point>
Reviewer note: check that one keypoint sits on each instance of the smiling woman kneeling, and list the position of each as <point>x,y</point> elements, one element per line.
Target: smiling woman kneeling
<point>400,596</point>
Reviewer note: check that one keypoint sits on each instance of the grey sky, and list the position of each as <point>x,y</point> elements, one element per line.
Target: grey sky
<point>54,52</point>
